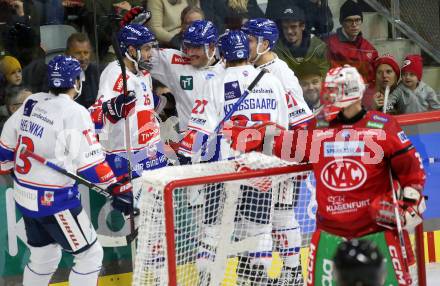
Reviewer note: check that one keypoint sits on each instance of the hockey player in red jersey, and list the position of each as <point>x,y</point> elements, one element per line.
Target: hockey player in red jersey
<point>355,154</point>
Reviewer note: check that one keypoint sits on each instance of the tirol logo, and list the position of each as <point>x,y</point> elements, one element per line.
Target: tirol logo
<point>343,175</point>
<point>186,82</point>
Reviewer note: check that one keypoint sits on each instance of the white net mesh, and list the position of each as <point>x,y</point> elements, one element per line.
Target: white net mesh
<point>227,230</point>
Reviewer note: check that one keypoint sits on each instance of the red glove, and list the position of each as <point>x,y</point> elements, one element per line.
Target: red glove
<point>248,139</point>
<point>136,15</point>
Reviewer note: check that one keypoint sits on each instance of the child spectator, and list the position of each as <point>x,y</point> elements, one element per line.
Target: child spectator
<point>14,98</point>
<point>412,94</point>
<point>11,69</point>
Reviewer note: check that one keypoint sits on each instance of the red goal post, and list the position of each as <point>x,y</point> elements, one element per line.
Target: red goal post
<point>163,259</point>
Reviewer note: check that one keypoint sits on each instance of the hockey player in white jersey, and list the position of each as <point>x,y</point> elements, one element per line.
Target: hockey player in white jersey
<point>262,34</point>
<point>54,126</point>
<point>266,102</point>
<point>185,73</point>
<point>113,108</point>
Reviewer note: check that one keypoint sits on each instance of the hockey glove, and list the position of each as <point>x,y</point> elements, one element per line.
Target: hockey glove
<point>410,209</point>
<point>248,139</point>
<point>119,107</point>
<point>122,192</point>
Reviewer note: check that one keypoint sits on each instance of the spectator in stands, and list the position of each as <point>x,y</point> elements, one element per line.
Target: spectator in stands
<point>412,94</point>
<point>387,73</point>
<point>189,15</point>
<point>230,14</point>
<point>164,23</point>
<point>348,46</point>
<point>310,78</point>
<point>78,46</point>
<point>10,67</point>
<point>14,97</point>
<point>296,46</point>
<point>319,18</point>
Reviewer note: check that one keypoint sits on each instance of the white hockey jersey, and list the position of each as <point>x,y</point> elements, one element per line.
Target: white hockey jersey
<point>60,130</point>
<point>144,125</point>
<point>266,102</point>
<point>299,112</point>
<point>173,69</point>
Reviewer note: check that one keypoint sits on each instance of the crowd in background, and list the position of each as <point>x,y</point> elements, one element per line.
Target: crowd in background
<point>308,43</point>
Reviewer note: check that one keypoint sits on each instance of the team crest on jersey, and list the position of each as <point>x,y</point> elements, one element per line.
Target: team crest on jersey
<point>232,90</point>
<point>144,86</point>
<point>119,84</point>
<point>186,82</point>
<point>343,175</point>
<point>28,107</point>
<point>48,198</point>
<point>209,75</point>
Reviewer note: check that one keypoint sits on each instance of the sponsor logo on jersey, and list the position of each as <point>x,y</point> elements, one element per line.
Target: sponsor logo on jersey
<point>338,205</point>
<point>48,198</point>
<point>380,118</point>
<point>32,128</point>
<point>343,175</point>
<point>262,90</point>
<point>198,121</point>
<point>28,107</point>
<point>232,90</point>
<point>373,124</point>
<point>346,148</point>
<point>119,84</point>
<point>402,137</point>
<point>297,112</point>
<point>322,123</point>
<point>209,75</point>
<point>186,82</point>
<point>43,118</point>
<point>179,60</point>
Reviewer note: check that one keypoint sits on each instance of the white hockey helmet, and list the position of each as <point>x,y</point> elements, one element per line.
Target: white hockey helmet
<point>342,87</point>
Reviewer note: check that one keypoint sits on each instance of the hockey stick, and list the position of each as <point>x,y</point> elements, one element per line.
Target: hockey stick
<point>105,240</point>
<point>120,60</point>
<point>240,100</point>
<point>232,110</point>
<point>400,231</point>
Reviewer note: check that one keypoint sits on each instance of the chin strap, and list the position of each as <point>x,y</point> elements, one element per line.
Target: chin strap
<point>135,62</point>
<point>206,46</point>
<point>260,42</point>
<point>78,90</point>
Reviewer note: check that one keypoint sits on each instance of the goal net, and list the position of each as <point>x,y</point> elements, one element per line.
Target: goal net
<point>246,221</point>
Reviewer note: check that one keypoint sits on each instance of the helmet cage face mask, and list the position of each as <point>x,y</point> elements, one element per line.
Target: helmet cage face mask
<point>342,87</point>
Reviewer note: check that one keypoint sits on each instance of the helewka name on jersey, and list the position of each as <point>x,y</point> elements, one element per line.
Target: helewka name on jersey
<point>233,92</point>
<point>29,126</point>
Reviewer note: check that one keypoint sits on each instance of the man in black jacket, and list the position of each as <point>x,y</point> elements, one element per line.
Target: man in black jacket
<point>79,47</point>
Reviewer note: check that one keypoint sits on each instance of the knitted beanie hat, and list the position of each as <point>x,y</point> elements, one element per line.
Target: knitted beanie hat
<point>414,64</point>
<point>9,65</point>
<point>388,60</point>
<point>350,8</point>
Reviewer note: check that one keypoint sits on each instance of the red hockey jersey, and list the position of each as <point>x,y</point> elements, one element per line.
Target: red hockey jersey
<point>351,160</point>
